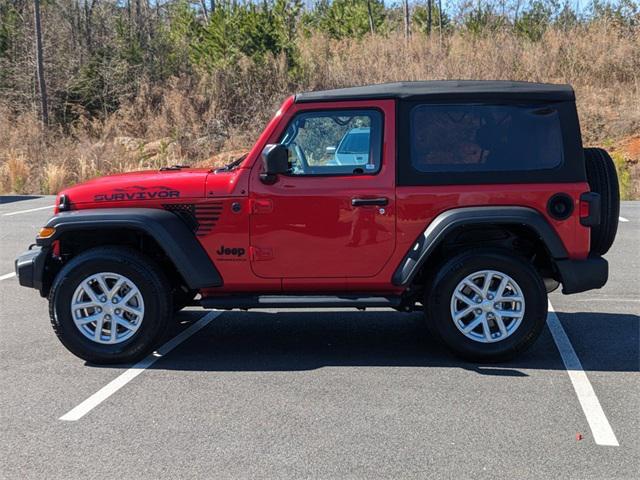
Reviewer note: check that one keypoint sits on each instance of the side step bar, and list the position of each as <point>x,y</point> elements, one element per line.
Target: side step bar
<point>299,301</point>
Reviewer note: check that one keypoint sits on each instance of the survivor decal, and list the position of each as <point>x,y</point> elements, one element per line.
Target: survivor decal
<point>137,192</point>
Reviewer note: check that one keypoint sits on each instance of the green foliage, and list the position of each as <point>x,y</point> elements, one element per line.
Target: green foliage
<point>482,18</point>
<point>420,18</point>
<point>9,24</point>
<point>535,20</point>
<point>101,82</point>
<point>345,18</point>
<point>624,176</point>
<point>233,31</point>
<point>624,12</point>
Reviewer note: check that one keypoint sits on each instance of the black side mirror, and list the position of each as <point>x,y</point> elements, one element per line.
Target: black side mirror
<point>275,160</point>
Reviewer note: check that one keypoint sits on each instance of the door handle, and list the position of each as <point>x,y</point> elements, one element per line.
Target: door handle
<point>361,202</point>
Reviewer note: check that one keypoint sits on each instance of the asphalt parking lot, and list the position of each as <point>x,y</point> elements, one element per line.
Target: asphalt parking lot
<point>340,394</point>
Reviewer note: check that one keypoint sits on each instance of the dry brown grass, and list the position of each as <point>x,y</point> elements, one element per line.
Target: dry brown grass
<point>15,172</point>
<point>195,120</point>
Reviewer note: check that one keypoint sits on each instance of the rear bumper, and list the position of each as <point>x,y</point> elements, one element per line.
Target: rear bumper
<point>582,275</point>
<point>30,268</point>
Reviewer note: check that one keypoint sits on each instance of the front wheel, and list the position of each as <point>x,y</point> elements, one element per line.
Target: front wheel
<point>487,305</point>
<point>110,305</point>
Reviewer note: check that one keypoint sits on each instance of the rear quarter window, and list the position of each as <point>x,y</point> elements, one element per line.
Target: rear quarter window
<point>484,138</point>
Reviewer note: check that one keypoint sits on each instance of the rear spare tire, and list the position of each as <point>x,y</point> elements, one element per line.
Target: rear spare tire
<point>603,179</point>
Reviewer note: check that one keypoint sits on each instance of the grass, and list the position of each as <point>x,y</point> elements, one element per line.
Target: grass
<point>624,176</point>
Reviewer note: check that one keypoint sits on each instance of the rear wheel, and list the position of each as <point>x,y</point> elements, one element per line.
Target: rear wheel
<point>487,305</point>
<point>603,179</point>
<point>110,305</point>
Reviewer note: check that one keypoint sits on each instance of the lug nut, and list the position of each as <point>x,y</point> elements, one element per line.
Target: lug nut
<point>118,311</point>
<point>103,299</point>
<point>98,310</point>
<point>478,300</point>
<point>478,311</point>
<point>115,300</point>
<point>490,297</point>
<point>107,317</point>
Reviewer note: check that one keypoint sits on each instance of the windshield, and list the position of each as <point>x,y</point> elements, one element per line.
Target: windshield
<point>355,143</point>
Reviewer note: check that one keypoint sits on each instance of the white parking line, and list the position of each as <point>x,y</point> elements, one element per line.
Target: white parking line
<point>622,219</point>
<point>7,275</point>
<point>112,387</point>
<point>50,207</point>
<point>600,427</point>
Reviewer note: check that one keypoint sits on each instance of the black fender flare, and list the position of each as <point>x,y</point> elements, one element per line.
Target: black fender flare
<point>172,235</point>
<point>445,222</point>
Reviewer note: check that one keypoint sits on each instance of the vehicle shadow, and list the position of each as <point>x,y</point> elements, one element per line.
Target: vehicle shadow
<point>295,341</point>
<point>17,198</point>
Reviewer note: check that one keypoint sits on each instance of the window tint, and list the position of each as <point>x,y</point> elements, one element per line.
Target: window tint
<point>338,142</point>
<point>484,138</point>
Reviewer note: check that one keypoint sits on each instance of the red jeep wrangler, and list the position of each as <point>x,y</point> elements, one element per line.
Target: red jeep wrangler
<point>469,200</point>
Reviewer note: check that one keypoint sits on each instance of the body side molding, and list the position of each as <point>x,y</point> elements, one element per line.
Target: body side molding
<point>169,231</point>
<point>450,219</point>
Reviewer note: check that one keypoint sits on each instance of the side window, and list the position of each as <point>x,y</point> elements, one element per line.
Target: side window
<point>484,138</point>
<point>334,142</point>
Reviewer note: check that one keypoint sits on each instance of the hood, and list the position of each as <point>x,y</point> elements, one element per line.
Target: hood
<point>136,187</point>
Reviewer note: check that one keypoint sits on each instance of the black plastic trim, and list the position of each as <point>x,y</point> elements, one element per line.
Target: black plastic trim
<point>30,266</point>
<point>363,202</point>
<point>582,275</point>
<point>300,301</point>
<point>444,89</point>
<point>172,234</point>
<point>468,216</point>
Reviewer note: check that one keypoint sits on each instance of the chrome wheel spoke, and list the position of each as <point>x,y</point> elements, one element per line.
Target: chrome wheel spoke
<point>503,285</point>
<point>487,283</point>
<point>463,298</point>
<point>512,313</point>
<point>509,298</point>
<point>463,313</point>
<point>89,319</point>
<point>473,324</point>
<point>83,305</point>
<point>126,324</point>
<point>130,294</point>
<point>102,284</point>
<point>88,290</point>
<point>486,329</point>
<point>116,287</point>
<point>114,331</point>
<point>501,327</point>
<point>131,310</point>
<point>97,334</point>
<point>473,286</point>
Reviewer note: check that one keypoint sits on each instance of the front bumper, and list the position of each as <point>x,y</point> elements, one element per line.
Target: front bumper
<point>582,275</point>
<point>30,267</point>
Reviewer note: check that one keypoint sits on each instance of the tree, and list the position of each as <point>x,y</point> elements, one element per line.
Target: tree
<point>40,63</point>
<point>407,31</point>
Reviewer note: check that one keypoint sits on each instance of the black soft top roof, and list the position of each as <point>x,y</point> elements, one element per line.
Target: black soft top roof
<point>446,90</point>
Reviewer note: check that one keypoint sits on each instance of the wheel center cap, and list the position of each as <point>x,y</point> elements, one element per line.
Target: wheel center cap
<point>487,306</point>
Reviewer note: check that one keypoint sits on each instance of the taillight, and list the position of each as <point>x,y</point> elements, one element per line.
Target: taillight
<point>590,209</point>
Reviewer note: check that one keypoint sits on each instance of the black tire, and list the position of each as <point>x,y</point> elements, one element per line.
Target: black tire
<point>603,179</point>
<point>148,278</point>
<point>438,300</point>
